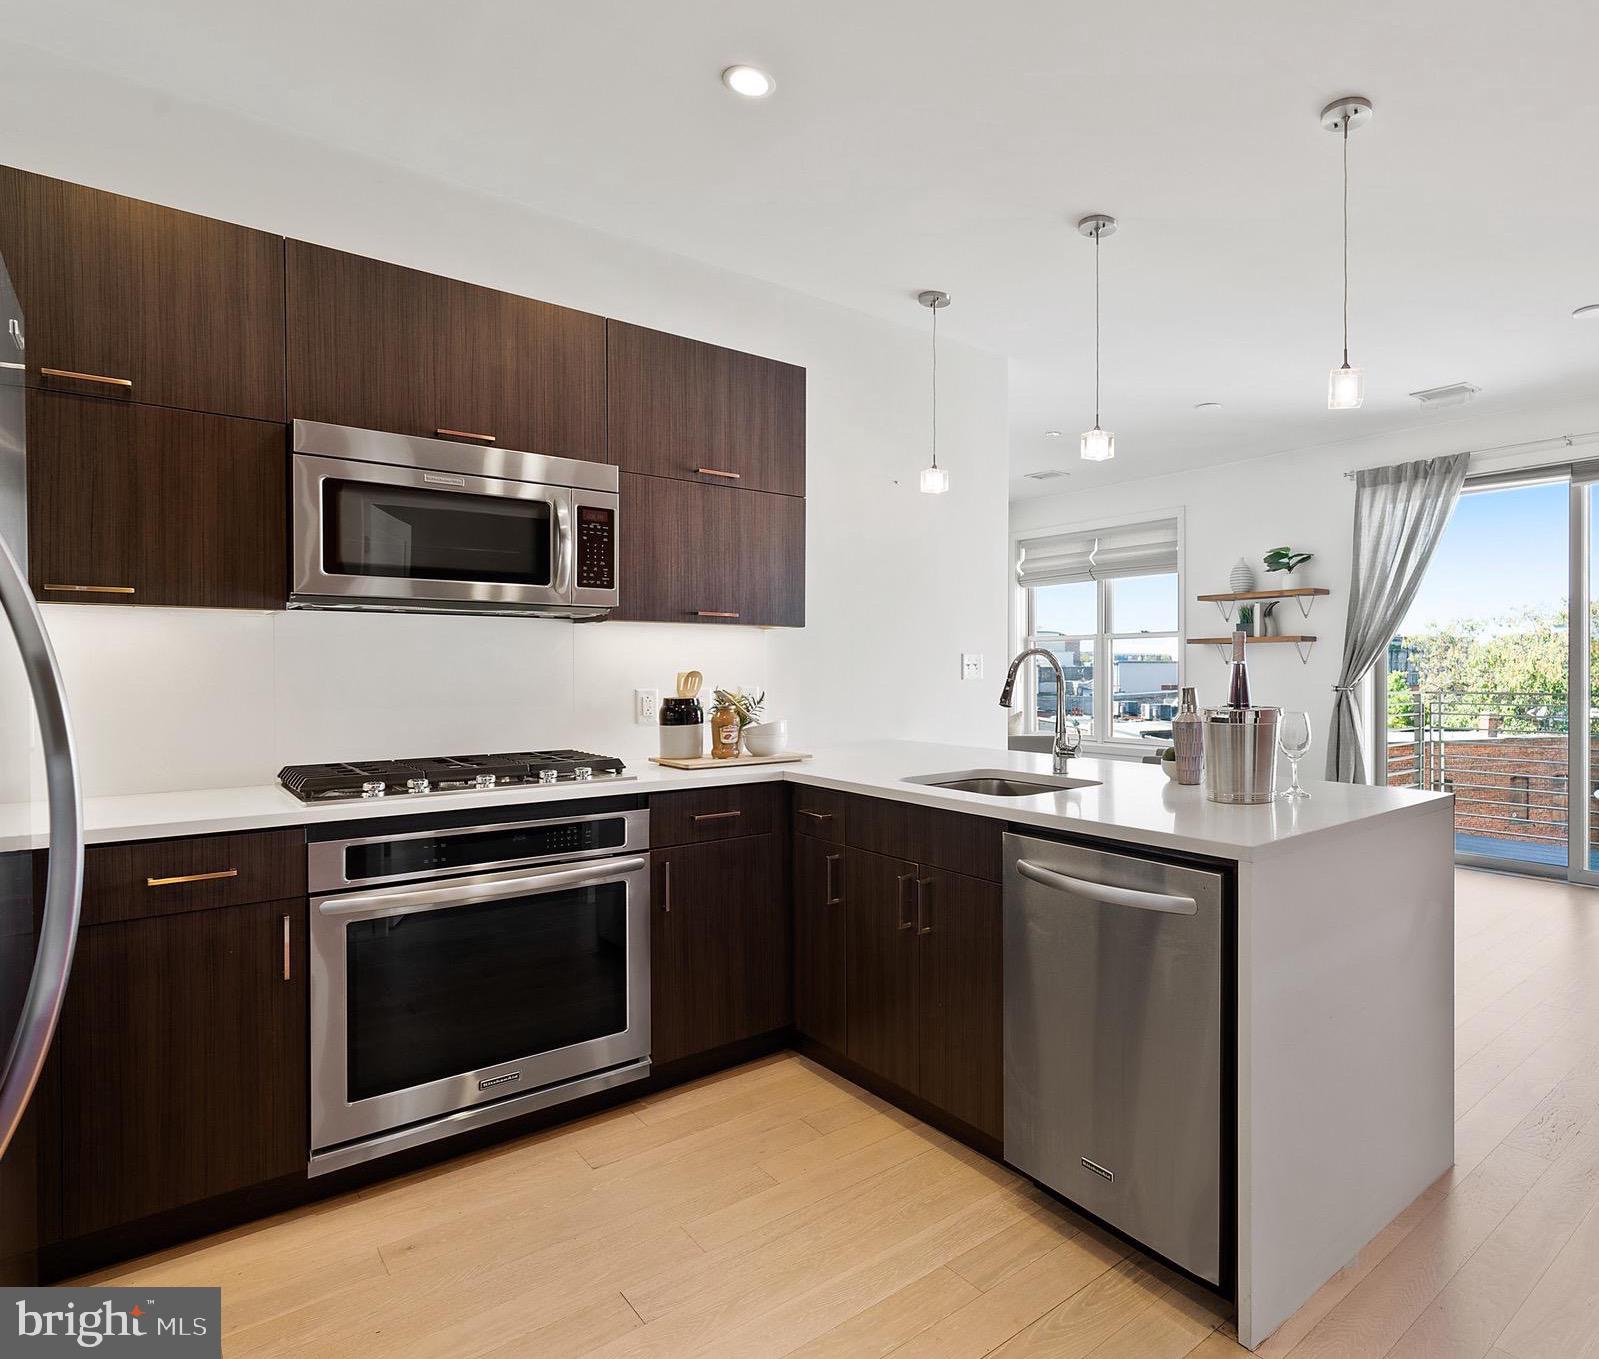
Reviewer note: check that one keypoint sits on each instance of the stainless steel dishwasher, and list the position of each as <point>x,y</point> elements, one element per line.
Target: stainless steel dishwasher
<point>1113,1040</point>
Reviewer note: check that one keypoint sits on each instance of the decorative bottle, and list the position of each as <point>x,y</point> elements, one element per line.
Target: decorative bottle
<point>1238,680</point>
<point>1188,736</point>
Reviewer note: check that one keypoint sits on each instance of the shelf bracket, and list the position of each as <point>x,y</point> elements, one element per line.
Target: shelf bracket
<point>1304,602</point>
<point>1303,648</point>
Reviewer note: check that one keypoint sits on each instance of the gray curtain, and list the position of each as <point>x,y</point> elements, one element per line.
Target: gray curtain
<point>1400,514</point>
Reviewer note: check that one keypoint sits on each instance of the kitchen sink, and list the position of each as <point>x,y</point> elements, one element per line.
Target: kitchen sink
<point>1002,782</point>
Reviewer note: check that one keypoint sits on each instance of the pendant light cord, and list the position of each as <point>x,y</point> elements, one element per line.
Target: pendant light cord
<point>934,310</point>
<point>1346,240</point>
<point>1098,230</point>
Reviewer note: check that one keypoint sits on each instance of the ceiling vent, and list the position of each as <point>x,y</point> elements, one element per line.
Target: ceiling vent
<point>1048,474</point>
<point>1455,394</point>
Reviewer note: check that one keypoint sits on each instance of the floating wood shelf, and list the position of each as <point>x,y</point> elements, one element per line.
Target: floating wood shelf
<point>1303,595</point>
<point>1302,641</point>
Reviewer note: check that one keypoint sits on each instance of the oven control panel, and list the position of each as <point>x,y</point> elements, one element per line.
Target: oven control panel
<point>596,548</point>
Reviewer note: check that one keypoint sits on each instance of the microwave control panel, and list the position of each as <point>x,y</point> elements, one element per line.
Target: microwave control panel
<point>596,548</point>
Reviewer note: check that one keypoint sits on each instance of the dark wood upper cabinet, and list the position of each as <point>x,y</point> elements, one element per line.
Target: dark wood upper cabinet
<point>137,504</point>
<point>821,890</point>
<point>682,408</point>
<point>181,1060</point>
<point>384,347</point>
<point>720,946</point>
<point>129,300</point>
<point>710,554</point>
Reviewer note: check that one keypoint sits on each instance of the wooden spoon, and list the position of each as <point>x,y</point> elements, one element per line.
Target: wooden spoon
<point>688,683</point>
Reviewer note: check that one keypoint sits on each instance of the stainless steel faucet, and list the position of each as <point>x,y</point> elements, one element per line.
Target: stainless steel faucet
<point>1068,740</point>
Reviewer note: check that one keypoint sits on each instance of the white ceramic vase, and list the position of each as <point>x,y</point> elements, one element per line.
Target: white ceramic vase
<point>1242,579</point>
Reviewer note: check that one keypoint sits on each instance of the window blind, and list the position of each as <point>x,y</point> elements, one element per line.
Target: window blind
<point>1147,549</point>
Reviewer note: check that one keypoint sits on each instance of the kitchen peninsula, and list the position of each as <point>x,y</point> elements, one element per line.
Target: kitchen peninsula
<point>1337,960</point>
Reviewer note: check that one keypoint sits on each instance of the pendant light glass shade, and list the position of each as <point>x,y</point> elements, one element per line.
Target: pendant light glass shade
<point>1099,445</point>
<point>1346,389</point>
<point>935,479</point>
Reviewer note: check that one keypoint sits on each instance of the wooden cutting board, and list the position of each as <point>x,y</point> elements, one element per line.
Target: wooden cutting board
<point>711,762</point>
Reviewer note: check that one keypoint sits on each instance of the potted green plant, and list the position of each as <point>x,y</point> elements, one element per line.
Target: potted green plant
<point>1285,559</point>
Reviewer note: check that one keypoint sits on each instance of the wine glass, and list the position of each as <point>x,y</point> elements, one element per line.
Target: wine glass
<point>1293,739</point>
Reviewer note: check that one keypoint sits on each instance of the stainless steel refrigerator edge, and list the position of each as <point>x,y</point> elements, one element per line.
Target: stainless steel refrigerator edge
<point>1113,1040</point>
<point>33,970</point>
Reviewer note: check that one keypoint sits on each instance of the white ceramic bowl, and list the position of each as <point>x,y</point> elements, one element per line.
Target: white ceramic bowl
<point>766,738</point>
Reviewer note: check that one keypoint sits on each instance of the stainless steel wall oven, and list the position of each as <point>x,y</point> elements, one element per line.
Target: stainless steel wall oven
<point>465,974</point>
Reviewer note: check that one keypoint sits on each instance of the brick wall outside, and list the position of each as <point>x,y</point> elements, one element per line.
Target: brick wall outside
<point>1512,787</point>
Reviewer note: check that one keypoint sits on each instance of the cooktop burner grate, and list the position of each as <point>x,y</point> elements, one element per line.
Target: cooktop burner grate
<point>444,774</point>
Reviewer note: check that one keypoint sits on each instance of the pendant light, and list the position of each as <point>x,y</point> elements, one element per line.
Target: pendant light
<point>1346,386</point>
<point>935,479</point>
<point>1098,445</point>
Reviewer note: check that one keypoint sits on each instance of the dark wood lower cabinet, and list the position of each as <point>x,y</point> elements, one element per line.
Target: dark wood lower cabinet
<point>821,891</point>
<point>182,1059</point>
<point>880,957</point>
<point>720,949</point>
<point>132,504</point>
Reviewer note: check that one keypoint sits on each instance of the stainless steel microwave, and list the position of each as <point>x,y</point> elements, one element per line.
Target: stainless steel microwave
<point>398,522</point>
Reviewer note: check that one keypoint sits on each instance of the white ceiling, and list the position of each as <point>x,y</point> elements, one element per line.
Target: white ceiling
<point>948,144</point>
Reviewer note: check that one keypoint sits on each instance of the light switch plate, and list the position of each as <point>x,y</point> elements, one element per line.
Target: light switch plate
<point>971,665</point>
<point>646,707</point>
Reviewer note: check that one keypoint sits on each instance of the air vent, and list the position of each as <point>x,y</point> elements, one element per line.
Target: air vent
<point>1048,474</point>
<point>1455,394</point>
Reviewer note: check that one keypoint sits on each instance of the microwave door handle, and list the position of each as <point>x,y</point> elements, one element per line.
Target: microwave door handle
<point>565,546</point>
<point>468,893</point>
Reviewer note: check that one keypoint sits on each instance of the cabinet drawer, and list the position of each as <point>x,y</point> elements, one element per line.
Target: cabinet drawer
<point>168,877</point>
<point>701,814</point>
<point>822,814</point>
<point>957,841</point>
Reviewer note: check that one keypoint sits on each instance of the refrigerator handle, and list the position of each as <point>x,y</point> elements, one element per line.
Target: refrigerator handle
<point>58,931</point>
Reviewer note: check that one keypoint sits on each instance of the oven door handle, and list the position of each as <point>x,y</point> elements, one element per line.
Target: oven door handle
<point>470,893</point>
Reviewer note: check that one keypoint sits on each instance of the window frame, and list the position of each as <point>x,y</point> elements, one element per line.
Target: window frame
<point>1100,733</point>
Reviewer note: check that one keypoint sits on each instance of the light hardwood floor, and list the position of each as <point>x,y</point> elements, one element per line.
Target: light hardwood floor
<point>778,1210</point>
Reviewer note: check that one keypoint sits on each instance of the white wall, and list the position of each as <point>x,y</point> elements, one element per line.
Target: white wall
<point>1302,499</point>
<point>898,584</point>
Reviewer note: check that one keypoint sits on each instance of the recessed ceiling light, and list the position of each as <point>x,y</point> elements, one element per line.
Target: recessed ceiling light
<point>1207,405</point>
<point>1592,309</point>
<point>1048,474</point>
<point>749,81</point>
<point>1054,434</point>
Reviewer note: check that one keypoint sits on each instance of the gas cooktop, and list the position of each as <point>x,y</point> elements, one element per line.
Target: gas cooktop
<point>447,774</point>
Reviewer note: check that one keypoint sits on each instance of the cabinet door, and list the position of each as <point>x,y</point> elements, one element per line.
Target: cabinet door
<point>135,504</point>
<point>960,1000</point>
<point>182,1058</point>
<point>179,310</point>
<point>720,945</point>
<point>682,408</point>
<point>880,966</point>
<point>820,895</point>
<point>530,374</point>
<point>363,341</point>
<point>710,554</point>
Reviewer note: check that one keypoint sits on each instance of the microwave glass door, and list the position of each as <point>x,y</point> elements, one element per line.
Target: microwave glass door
<point>433,994</point>
<point>373,528</point>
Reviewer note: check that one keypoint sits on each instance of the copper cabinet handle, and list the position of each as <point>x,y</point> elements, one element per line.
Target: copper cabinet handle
<point>816,816</point>
<point>716,816</point>
<point>87,377</point>
<point>464,434</point>
<point>715,613</point>
<point>666,887</point>
<point>91,589</point>
<point>834,896</point>
<point>923,915</point>
<point>287,954</point>
<point>192,877</point>
<point>717,472</point>
<point>903,880</point>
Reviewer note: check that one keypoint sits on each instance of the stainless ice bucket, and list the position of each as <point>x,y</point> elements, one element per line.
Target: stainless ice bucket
<point>1241,754</point>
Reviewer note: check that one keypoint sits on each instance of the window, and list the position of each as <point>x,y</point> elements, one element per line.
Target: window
<point>1106,603</point>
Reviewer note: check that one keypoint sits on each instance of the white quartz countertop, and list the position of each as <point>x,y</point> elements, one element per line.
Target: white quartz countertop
<point>1133,802</point>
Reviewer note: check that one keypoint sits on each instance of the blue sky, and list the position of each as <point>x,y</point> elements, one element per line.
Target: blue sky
<point>1503,551</point>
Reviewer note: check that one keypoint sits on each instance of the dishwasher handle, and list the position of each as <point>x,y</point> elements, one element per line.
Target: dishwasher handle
<point>1104,893</point>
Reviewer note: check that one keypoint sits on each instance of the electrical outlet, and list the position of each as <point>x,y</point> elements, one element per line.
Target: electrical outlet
<point>971,665</point>
<point>646,707</point>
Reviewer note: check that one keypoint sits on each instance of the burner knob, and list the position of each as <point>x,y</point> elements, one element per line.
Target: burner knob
<point>483,781</point>
<point>377,789</point>
<point>582,773</point>
<point>417,786</point>
<point>549,775</point>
